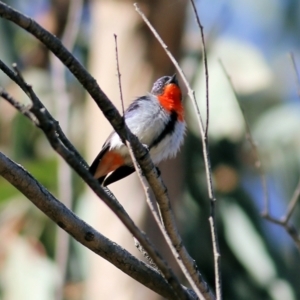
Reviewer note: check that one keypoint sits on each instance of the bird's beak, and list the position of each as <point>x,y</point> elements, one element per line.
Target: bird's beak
<point>174,79</point>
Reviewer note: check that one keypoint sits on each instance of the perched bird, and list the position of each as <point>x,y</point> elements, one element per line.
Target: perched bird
<point>157,119</point>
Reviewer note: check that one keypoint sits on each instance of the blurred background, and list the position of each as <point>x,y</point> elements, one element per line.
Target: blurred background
<point>253,39</point>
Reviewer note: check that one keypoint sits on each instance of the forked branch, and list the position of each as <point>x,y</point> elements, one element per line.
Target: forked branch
<point>284,221</point>
<point>49,126</point>
<point>186,263</point>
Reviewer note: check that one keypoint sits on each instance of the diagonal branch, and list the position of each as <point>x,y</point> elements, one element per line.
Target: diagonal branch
<point>284,221</point>
<point>205,64</point>
<point>186,263</point>
<point>212,218</point>
<point>113,116</point>
<point>79,230</point>
<point>250,139</point>
<point>297,75</point>
<point>46,122</point>
<point>23,109</point>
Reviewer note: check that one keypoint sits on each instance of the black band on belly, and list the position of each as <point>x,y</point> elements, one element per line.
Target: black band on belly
<point>169,129</point>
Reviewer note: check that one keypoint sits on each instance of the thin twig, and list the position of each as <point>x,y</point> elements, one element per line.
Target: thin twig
<point>212,219</point>
<point>109,111</point>
<point>186,263</point>
<point>296,73</point>
<point>16,78</point>
<point>205,65</point>
<point>292,204</point>
<point>151,203</point>
<point>216,257</point>
<point>46,124</point>
<point>25,110</point>
<point>79,230</point>
<point>119,74</point>
<point>145,254</point>
<point>250,139</point>
<point>290,229</point>
<point>91,86</point>
<point>177,288</point>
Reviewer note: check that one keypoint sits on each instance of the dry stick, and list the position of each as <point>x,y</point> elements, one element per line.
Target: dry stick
<point>186,263</point>
<point>292,205</point>
<point>250,139</point>
<point>19,106</point>
<point>205,64</point>
<point>137,168</point>
<point>119,74</point>
<point>191,94</point>
<point>212,219</point>
<point>46,121</point>
<point>54,124</point>
<point>91,86</point>
<point>152,204</point>
<point>88,82</point>
<point>79,230</point>
<point>290,229</point>
<point>109,111</point>
<point>153,208</point>
<point>296,73</point>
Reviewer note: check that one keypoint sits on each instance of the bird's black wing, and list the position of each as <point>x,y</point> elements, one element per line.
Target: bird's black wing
<point>97,160</point>
<point>118,174</point>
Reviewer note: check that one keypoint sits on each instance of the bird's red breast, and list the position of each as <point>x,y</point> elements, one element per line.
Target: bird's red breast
<point>170,100</point>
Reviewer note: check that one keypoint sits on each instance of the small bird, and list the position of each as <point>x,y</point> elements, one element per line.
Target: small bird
<point>157,119</point>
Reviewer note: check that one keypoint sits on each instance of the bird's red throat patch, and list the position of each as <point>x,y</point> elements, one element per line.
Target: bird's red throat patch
<point>170,100</point>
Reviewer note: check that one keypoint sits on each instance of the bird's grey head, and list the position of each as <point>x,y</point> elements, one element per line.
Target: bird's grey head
<point>159,84</point>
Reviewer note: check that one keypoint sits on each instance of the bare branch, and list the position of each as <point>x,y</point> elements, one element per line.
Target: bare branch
<point>252,143</point>
<point>292,204</point>
<point>46,124</point>
<point>212,219</point>
<point>290,229</point>
<point>25,110</point>
<point>108,109</point>
<point>151,203</point>
<point>119,74</point>
<point>145,254</point>
<point>177,288</point>
<point>186,263</point>
<point>113,116</point>
<point>296,73</point>
<point>79,230</point>
<point>217,256</point>
<point>43,111</point>
<point>205,65</point>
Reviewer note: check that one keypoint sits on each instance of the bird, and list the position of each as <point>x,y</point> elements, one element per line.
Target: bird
<point>157,119</point>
